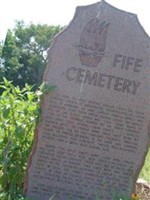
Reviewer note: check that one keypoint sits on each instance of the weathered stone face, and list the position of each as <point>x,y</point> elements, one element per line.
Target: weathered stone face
<point>93,137</point>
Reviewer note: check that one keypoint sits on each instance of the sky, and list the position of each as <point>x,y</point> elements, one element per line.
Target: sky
<point>61,12</point>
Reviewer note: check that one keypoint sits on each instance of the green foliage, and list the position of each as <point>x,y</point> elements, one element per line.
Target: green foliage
<point>24,53</point>
<point>145,173</point>
<point>18,116</point>
<point>10,54</point>
<point>45,88</point>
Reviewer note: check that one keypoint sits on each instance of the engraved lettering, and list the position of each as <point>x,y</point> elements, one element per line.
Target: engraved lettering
<point>80,76</point>
<point>118,84</point>
<point>91,79</point>
<point>130,62</point>
<point>137,66</point>
<point>70,73</point>
<point>127,63</point>
<point>102,80</point>
<point>135,86</point>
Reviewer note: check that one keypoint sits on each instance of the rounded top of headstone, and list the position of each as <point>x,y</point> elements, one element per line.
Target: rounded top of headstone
<point>104,8</point>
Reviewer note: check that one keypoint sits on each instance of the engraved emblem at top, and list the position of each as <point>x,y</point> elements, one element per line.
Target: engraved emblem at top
<point>92,42</point>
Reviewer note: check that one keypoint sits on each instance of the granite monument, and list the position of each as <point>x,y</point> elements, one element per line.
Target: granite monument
<point>94,136</point>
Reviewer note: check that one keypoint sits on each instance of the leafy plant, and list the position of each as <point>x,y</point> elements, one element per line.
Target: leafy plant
<point>18,117</point>
<point>19,114</point>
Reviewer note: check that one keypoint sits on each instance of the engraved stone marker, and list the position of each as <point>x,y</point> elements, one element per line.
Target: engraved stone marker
<point>93,137</point>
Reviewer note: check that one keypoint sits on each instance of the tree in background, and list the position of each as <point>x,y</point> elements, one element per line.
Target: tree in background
<point>1,60</point>
<point>24,53</point>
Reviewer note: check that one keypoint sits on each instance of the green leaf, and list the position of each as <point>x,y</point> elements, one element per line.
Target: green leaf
<point>30,96</point>
<point>46,88</point>
<point>6,112</point>
<point>20,131</point>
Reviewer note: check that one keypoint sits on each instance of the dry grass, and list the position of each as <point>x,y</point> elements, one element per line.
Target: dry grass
<point>143,188</point>
<point>143,191</point>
